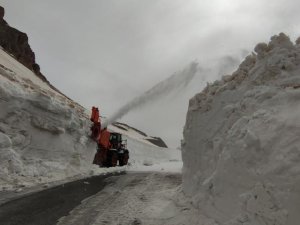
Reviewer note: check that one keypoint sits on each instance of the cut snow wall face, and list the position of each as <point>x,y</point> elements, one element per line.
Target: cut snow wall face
<point>241,148</point>
<point>43,135</point>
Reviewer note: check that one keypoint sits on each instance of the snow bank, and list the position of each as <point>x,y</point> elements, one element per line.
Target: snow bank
<point>145,156</point>
<point>43,135</point>
<point>241,148</point>
<point>150,158</point>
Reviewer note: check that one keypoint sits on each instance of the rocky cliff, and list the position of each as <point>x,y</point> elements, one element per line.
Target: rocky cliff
<point>16,44</point>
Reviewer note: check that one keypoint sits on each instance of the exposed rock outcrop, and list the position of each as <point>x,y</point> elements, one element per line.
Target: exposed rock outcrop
<point>154,140</point>
<point>1,13</point>
<point>158,142</point>
<point>16,43</point>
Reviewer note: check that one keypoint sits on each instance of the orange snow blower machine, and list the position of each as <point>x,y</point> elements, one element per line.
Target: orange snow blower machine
<point>111,149</point>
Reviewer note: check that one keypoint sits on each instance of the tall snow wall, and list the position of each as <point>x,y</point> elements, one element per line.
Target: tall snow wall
<point>43,135</point>
<point>241,147</point>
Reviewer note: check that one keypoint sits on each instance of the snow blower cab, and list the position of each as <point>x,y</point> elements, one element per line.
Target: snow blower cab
<point>120,146</point>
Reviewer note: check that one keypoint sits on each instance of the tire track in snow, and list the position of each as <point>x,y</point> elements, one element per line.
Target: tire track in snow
<point>131,199</point>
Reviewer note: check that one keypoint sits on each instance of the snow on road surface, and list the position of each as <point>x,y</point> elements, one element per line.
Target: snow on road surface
<point>124,199</point>
<point>241,149</point>
<point>44,136</point>
<point>132,199</point>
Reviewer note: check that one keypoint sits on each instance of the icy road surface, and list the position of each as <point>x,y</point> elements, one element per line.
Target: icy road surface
<point>121,199</point>
<point>134,198</point>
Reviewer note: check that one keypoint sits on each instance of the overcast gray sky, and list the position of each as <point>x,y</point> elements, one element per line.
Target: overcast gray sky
<point>106,52</point>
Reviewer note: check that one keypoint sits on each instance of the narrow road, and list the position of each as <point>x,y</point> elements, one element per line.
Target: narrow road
<point>47,206</point>
<point>128,199</point>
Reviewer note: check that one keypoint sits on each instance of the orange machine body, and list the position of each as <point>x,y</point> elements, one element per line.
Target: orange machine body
<point>96,116</point>
<point>93,114</point>
<point>103,140</point>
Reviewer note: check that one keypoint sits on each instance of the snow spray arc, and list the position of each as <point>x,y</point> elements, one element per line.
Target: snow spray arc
<point>175,82</point>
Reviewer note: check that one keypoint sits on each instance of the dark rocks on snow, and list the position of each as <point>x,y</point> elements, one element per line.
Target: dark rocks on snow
<point>16,43</point>
<point>1,12</point>
<point>158,142</point>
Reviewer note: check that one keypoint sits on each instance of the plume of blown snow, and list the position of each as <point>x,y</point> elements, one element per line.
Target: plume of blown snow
<point>175,83</point>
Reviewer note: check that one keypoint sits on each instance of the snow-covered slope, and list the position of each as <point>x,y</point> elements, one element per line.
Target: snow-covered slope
<point>241,149</point>
<point>146,156</point>
<point>44,136</point>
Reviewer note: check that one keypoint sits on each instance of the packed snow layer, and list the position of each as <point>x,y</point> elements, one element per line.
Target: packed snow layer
<point>145,156</point>
<point>23,72</point>
<point>241,147</point>
<point>44,136</point>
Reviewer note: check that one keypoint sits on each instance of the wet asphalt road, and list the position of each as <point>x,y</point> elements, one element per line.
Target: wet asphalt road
<point>47,206</point>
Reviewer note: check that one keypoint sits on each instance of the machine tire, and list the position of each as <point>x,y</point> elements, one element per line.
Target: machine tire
<point>113,158</point>
<point>125,158</point>
<point>121,157</point>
